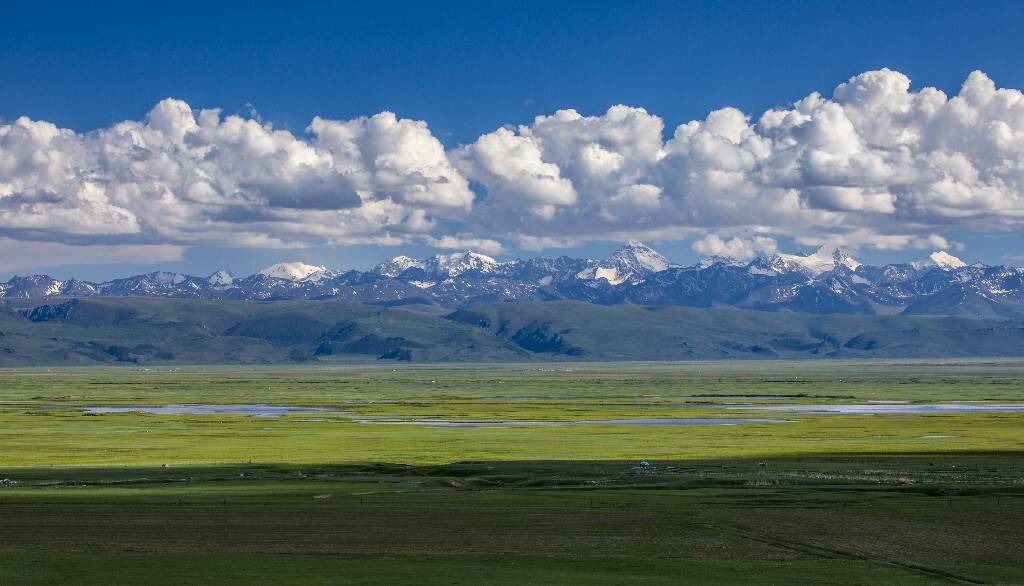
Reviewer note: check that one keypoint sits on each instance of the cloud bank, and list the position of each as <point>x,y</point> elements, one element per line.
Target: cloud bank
<point>875,165</point>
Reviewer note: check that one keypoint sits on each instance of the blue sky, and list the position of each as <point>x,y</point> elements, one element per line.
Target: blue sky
<point>466,69</point>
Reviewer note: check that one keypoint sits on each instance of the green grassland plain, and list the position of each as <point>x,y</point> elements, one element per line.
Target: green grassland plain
<point>375,489</point>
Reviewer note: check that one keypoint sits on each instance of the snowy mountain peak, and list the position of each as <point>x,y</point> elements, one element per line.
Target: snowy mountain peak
<point>940,259</point>
<point>31,286</point>
<point>827,258</point>
<point>638,257</point>
<point>460,262</point>
<point>633,261</point>
<point>716,259</point>
<point>292,271</point>
<point>221,278</point>
<point>396,266</point>
<point>440,265</point>
<point>827,249</point>
<point>838,256</point>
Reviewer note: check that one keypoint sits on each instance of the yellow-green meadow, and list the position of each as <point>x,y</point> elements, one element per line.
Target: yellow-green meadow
<point>828,472</point>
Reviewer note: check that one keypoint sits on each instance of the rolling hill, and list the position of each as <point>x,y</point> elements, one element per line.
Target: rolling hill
<point>626,332</point>
<point>147,331</point>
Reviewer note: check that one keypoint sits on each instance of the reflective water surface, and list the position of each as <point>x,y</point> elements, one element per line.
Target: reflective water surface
<point>258,410</point>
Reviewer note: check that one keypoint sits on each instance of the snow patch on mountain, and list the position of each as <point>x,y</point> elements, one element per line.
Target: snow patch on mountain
<point>292,271</point>
<point>166,279</point>
<point>611,274</point>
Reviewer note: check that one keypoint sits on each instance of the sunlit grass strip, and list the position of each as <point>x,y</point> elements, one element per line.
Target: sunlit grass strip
<point>131,439</point>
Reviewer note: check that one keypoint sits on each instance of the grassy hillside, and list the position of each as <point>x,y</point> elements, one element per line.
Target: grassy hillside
<point>184,331</point>
<point>672,333</point>
<point>162,331</point>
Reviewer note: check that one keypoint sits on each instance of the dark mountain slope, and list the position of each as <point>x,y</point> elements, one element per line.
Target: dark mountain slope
<point>672,333</point>
<point>183,331</point>
<point>154,331</point>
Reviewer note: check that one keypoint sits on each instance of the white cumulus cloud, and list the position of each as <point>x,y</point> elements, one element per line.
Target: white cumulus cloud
<point>736,247</point>
<point>18,254</point>
<point>461,242</point>
<point>876,163</point>
<point>189,177</point>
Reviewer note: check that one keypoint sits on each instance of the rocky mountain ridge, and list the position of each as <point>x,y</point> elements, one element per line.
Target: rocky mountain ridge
<point>827,281</point>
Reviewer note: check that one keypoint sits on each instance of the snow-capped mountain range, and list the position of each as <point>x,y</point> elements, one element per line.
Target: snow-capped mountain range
<point>827,281</point>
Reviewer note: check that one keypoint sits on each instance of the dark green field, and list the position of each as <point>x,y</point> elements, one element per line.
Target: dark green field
<point>377,491</point>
